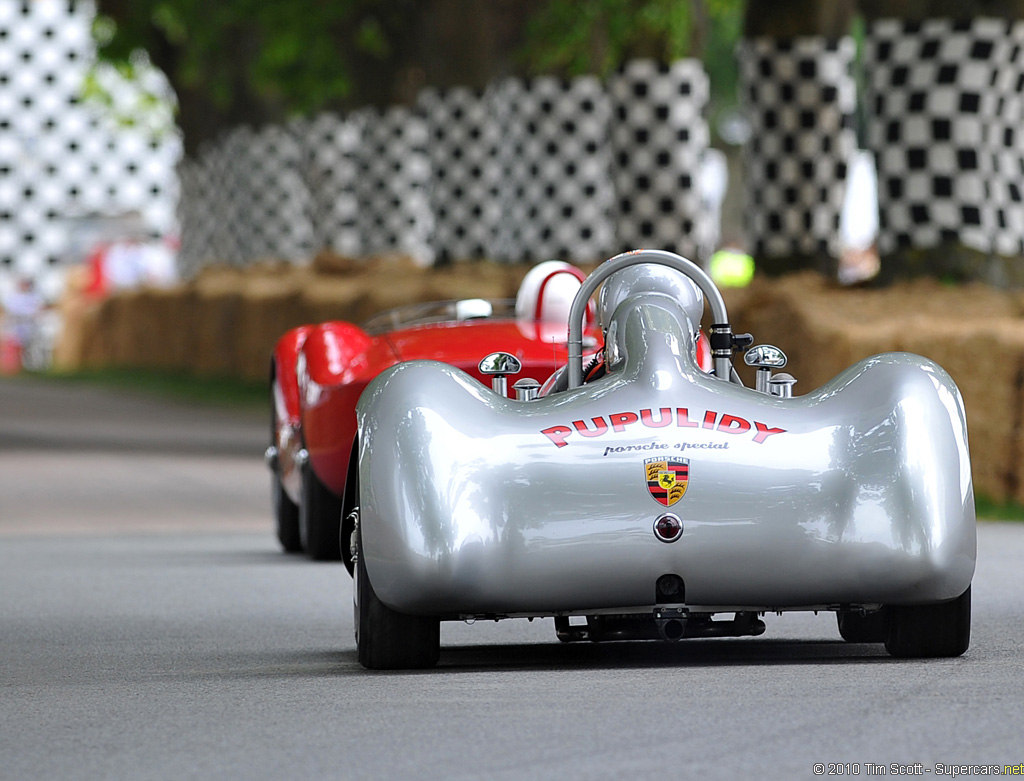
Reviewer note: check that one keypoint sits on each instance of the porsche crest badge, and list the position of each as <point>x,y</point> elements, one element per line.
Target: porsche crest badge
<point>667,479</point>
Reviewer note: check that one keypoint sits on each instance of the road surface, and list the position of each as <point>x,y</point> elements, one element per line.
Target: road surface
<point>151,629</point>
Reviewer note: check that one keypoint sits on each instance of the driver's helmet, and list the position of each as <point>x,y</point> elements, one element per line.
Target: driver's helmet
<point>547,292</point>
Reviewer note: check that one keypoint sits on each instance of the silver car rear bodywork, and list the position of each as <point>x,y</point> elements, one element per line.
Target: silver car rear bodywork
<point>855,495</point>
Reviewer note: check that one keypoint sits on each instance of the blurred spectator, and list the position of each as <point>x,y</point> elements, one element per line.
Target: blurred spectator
<point>121,253</point>
<point>21,308</point>
<point>129,263</point>
<point>858,222</point>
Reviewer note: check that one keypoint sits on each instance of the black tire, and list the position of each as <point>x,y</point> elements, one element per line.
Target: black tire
<point>929,630</point>
<point>857,627</point>
<point>286,512</point>
<point>385,638</point>
<point>319,518</point>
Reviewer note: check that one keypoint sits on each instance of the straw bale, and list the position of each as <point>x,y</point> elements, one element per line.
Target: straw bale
<point>328,262</point>
<point>216,317</point>
<point>325,297</point>
<point>475,280</point>
<point>227,320</point>
<point>972,331</point>
<point>269,306</point>
<point>79,330</point>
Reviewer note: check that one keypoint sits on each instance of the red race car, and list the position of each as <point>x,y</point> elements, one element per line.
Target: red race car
<point>319,371</point>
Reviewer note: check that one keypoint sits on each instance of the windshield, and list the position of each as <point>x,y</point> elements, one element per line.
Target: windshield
<point>440,312</point>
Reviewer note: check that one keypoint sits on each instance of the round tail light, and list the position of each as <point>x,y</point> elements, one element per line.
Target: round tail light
<point>668,528</point>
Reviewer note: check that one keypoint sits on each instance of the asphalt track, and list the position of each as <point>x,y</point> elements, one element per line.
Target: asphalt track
<point>149,628</point>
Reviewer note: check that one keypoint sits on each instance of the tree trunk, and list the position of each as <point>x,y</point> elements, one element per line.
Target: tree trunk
<point>794,18</point>
<point>470,43</point>
<point>918,10</point>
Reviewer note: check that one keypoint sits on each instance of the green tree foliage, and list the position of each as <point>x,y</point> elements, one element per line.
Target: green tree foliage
<point>571,38</point>
<point>597,36</point>
<point>298,54</point>
<point>252,61</point>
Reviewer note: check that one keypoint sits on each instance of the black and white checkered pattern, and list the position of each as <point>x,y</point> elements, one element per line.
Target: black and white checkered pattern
<point>522,171</point>
<point>61,159</point>
<point>1006,141</point>
<point>393,185</point>
<point>278,216</point>
<point>800,97</point>
<point>330,170</point>
<point>555,190</point>
<point>513,108</point>
<point>658,139</point>
<point>246,199</point>
<point>945,111</point>
<point>199,220</point>
<point>464,140</point>
<point>570,171</point>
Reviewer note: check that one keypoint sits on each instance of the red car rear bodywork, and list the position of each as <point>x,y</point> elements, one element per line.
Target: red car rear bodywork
<point>319,372</point>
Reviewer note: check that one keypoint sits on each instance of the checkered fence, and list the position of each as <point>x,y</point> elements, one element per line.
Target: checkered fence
<point>555,191</point>
<point>394,183</point>
<point>62,160</point>
<point>945,106</point>
<point>659,137</point>
<point>524,170</point>
<point>331,168</point>
<point>800,96</point>
<point>464,141</point>
<point>246,199</point>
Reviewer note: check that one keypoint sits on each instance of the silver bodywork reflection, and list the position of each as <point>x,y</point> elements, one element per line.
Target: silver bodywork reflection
<point>858,493</point>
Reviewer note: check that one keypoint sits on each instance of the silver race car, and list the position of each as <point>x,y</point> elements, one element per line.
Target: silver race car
<point>642,498</point>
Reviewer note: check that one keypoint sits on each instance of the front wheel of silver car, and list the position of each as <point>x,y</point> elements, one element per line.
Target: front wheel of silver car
<point>929,630</point>
<point>385,638</point>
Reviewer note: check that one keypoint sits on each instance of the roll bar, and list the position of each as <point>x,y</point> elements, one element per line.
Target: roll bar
<point>721,331</point>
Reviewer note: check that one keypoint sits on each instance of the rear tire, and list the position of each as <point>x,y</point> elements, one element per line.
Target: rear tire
<point>921,631</point>
<point>385,638</point>
<point>287,514</point>
<point>319,518</point>
<point>857,627</point>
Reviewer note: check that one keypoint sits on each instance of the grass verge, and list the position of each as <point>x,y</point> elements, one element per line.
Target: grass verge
<point>990,510</point>
<point>219,391</point>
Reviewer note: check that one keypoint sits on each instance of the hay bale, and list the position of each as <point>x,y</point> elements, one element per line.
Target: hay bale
<point>330,262</point>
<point>481,279</point>
<point>972,331</point>
<point>269,306</point>
<point>324,297</point>
<point>150,329</point>
<point>79,331</point>
<point>226,321</point>
<point>216,318</point>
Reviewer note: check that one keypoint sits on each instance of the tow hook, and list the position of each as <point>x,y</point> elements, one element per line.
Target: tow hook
<point>671,622</point>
